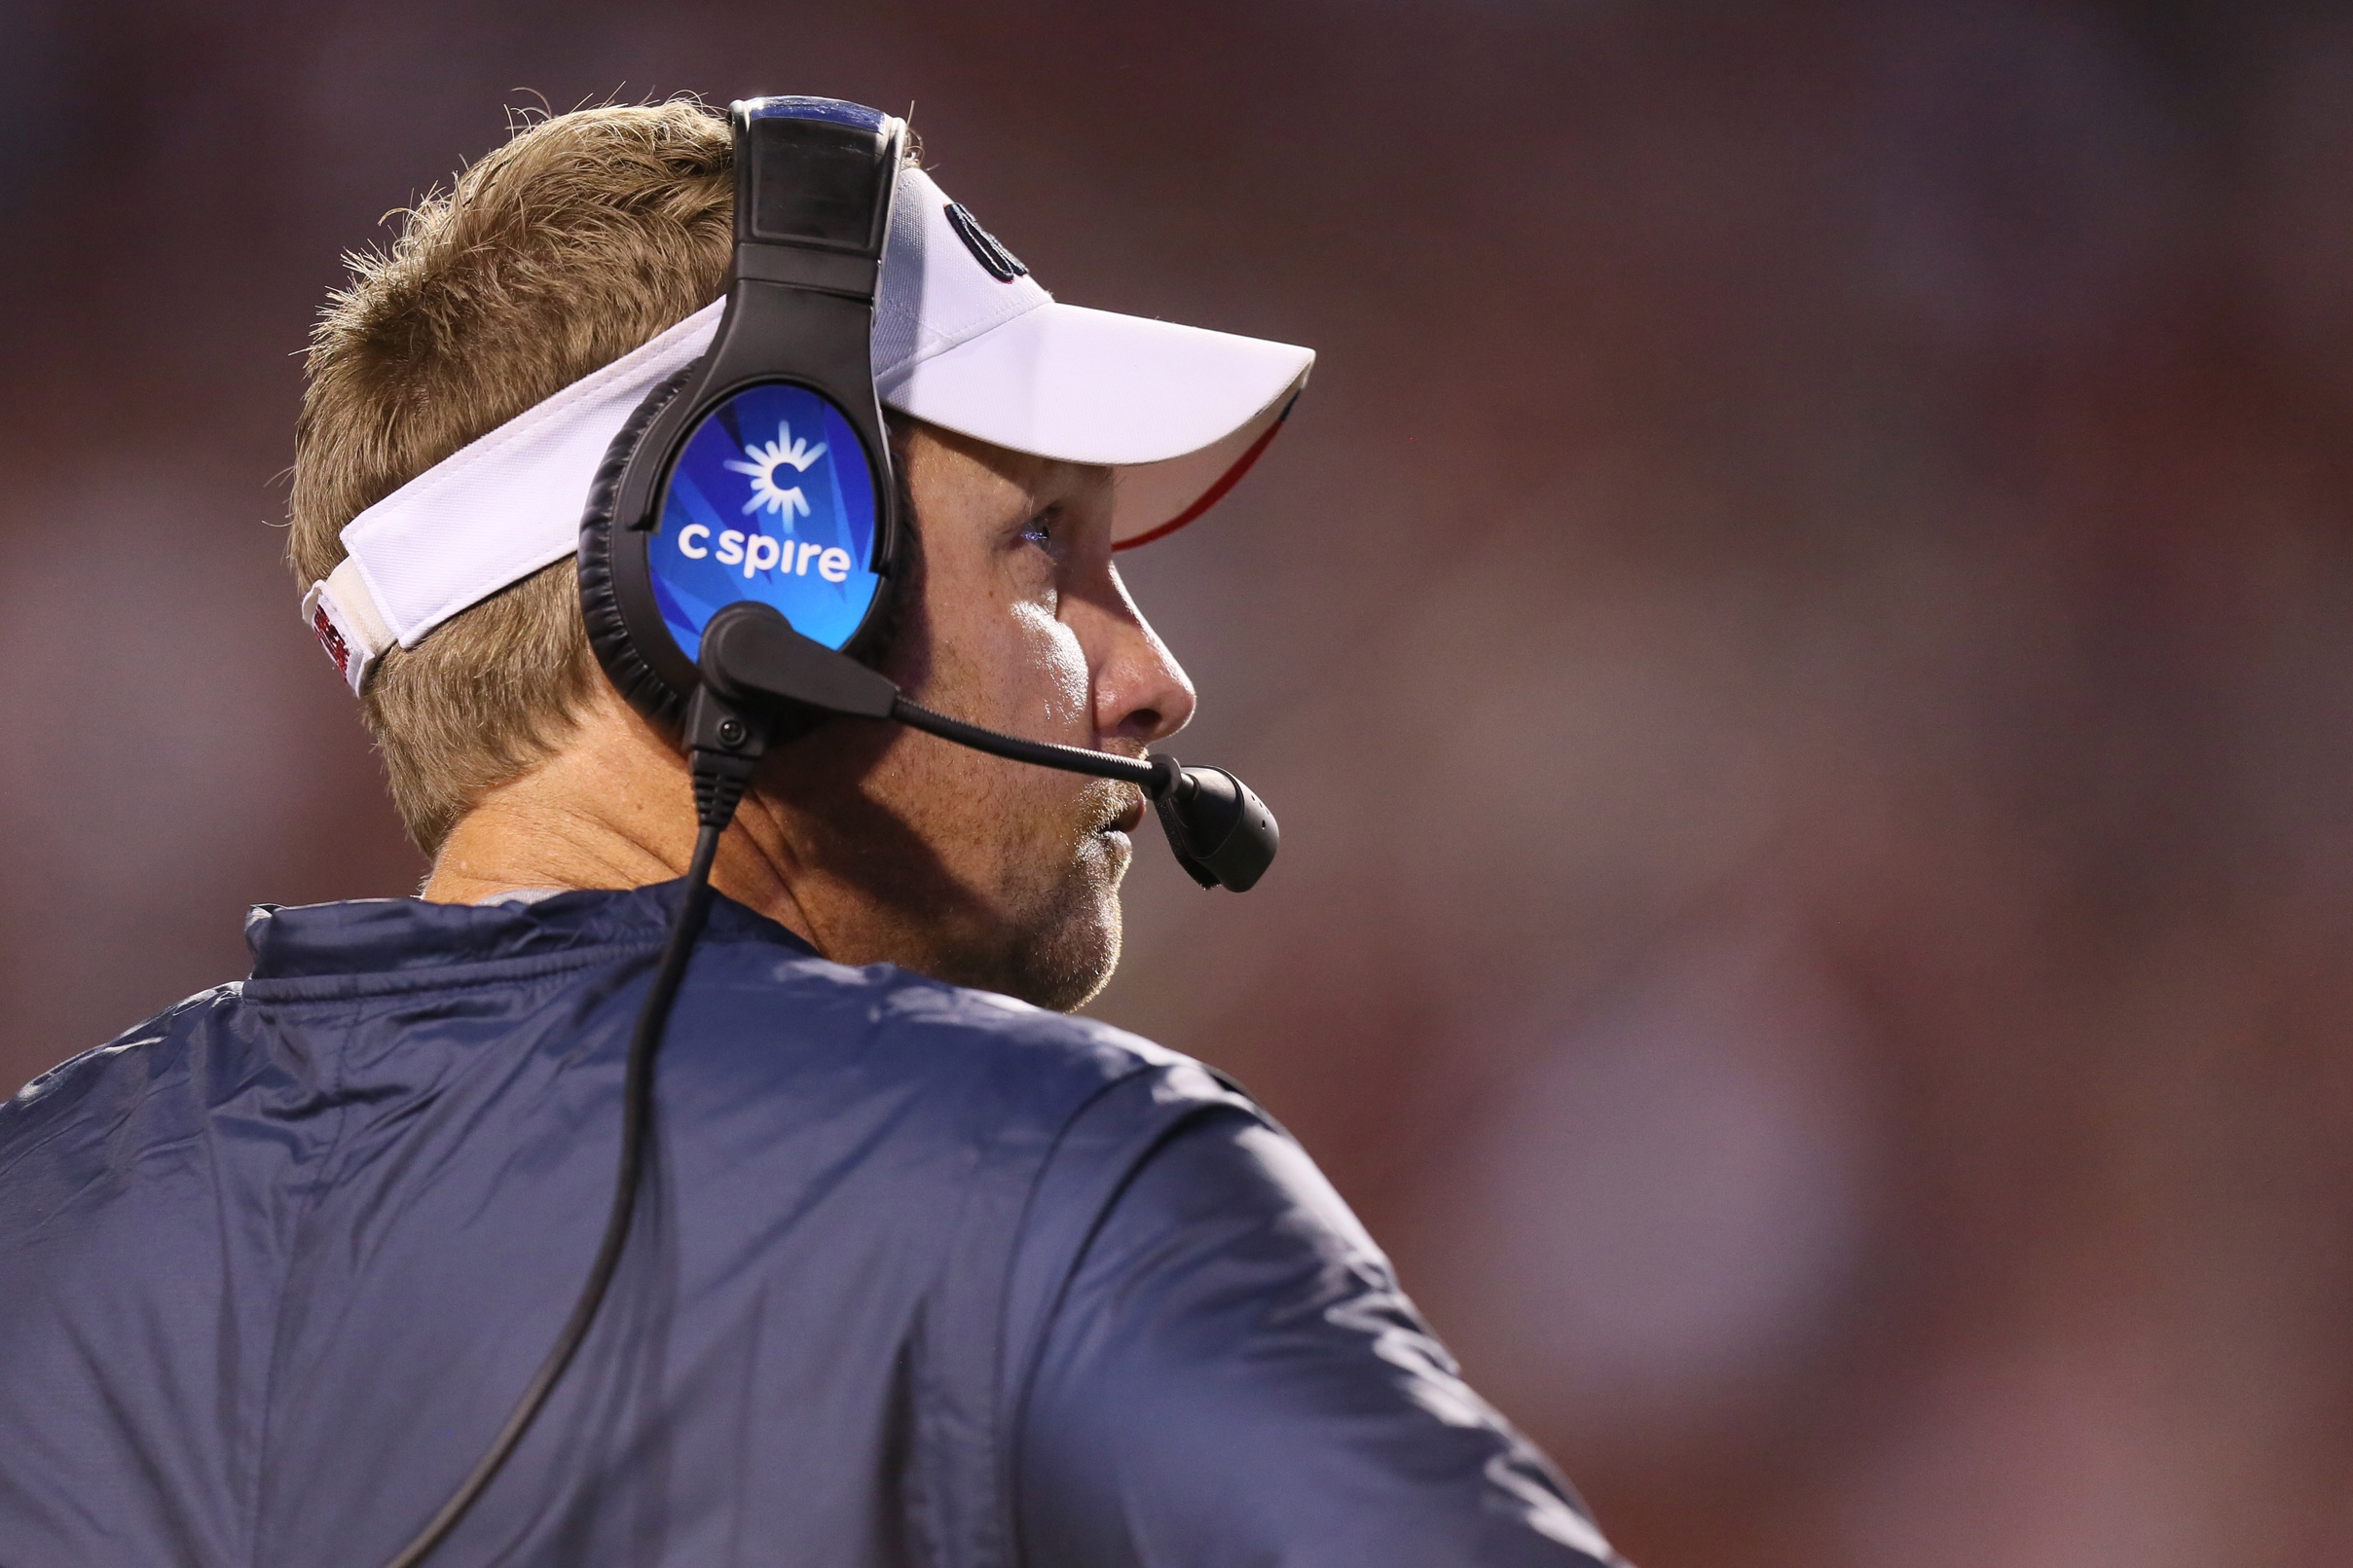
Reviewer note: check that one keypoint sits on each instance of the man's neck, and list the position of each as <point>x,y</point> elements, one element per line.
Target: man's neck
<point>610,810</point>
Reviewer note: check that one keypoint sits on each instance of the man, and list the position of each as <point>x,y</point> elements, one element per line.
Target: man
<point>924,1273</point>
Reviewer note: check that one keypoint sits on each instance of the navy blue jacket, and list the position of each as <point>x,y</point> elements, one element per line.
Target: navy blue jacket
<point>922,1275</point>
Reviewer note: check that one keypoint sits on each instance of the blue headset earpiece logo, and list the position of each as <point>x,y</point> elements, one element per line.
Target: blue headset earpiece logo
<point>765,461</point>
<point>770,499</point>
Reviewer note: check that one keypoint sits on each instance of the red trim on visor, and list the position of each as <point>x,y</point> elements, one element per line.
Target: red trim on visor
<point>1217,492</point>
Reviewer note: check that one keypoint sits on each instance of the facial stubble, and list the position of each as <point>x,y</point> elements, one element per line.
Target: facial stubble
<point>971,869</point>
<point>1041,844</point>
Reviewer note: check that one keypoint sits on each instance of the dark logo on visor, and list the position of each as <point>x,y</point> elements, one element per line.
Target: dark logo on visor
<point>1001,264</point>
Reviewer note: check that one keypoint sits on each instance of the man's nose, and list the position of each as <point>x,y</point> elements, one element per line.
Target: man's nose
<point>1141,693</point>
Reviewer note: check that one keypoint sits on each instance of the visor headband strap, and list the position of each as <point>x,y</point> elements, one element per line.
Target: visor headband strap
<point>488,515</point>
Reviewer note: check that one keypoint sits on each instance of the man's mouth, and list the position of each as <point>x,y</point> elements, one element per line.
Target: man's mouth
<point>1130,816</point>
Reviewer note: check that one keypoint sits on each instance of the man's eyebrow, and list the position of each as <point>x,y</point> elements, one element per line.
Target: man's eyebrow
<point>1075,481</point>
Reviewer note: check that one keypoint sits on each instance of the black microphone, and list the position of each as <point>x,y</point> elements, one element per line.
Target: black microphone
<point>751,658</point>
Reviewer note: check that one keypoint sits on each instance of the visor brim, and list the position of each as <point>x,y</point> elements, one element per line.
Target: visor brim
<point>1179,412</point>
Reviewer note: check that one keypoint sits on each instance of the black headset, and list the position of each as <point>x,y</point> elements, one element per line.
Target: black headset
<point>790,373</point>
<point>736,639</point>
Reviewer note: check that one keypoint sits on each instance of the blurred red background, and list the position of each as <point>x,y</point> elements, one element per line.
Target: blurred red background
<point>1802,638</point>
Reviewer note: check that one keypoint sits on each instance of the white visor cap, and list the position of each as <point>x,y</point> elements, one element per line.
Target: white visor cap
<point>964,338</point>
<point>1177,411</point>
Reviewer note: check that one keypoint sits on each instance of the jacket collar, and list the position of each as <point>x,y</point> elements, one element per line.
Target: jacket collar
<point>379,935</point>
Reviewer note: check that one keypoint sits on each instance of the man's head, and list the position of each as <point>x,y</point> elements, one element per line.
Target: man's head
<point>580,241</point>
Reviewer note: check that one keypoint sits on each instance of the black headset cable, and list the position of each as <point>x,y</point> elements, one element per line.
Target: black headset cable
<point>719,779</point>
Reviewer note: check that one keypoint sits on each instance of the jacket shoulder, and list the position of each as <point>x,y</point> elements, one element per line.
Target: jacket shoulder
<point>885,1020</point>
<point>129,1063</point>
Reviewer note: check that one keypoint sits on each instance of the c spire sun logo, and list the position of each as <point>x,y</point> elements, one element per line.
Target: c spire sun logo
<point>765,461</point>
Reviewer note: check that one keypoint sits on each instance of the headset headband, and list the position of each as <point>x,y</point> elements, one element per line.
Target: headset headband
<point>785,397</point>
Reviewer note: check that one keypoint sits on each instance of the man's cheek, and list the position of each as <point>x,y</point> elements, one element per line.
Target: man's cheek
<point>1056,666</point>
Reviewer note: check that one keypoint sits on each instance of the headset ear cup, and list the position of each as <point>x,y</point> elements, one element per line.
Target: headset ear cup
<point>607,633</point>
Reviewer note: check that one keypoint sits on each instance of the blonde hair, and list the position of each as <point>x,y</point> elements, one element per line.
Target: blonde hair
<point>585,235</point>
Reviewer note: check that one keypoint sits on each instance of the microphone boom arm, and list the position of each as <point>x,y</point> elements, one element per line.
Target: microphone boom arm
<point>1155,780</point>
<point>752,659</point>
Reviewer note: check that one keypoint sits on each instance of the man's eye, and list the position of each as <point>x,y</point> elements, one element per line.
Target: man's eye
<point>1039,529</point>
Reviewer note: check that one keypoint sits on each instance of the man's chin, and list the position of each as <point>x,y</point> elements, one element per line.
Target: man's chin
<point>1060,950</point>
<point>1067,956</point>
